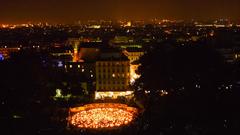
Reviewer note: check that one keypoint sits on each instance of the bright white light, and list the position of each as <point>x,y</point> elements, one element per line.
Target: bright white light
<point>58,93</point>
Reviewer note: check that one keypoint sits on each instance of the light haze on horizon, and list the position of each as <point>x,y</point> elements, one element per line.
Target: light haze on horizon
<point>65,11</point>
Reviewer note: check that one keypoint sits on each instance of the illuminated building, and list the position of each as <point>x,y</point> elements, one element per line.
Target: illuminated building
<point>84,69</point>
<point>128,24</point>
<point>84,50</point>
<point>107,71</point>
<point>133,55</point>
<point>59,56</point>
<point>112,75</point>
<point>77,41</point>
<point>122,39</point>
<point>124,46</point>
<point>89,51</point>
<point>94,26</point>
<point>114,94</point>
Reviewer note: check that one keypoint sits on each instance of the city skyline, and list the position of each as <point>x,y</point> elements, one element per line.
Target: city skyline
<point>63,11</point>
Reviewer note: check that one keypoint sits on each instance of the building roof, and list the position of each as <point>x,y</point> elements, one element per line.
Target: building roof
<point>112,54</point>
<point>134,49</point>
<point>91,45</point>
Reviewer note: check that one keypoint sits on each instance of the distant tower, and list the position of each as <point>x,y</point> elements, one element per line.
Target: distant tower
<point>75,53</point>
<point>75,43</point>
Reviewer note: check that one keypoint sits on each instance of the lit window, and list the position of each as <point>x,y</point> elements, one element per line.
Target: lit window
<point>78,66</point>
<point>83,70</point>
<point>113,75</point>
<point>70,66</point>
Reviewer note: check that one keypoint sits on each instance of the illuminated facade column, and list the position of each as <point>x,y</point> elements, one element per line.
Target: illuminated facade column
<point>133,55</point>
<point>75,53</point>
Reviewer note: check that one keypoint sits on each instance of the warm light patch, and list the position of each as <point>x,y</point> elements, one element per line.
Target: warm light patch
<point>113,94</point>
<point>102,115</point>
<point>133,74</point>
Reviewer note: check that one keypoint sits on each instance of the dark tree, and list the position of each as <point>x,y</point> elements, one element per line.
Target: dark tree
<point>192,76</point>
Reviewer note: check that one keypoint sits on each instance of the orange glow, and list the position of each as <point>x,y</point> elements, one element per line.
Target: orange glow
<point>133,74</point>
<point>211,33</point>
<point>102,115</point>
<point>75,54</point>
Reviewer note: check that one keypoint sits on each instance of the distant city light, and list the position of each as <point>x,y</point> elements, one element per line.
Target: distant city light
<point>95,26</point>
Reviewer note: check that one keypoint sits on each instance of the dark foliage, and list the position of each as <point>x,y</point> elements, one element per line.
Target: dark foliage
<point>198,83</point>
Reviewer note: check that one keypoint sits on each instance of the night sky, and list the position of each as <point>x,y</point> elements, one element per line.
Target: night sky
<point>65,11</point>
